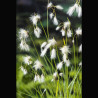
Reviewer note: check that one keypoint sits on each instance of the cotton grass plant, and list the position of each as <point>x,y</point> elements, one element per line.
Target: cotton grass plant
<point>53,73</point>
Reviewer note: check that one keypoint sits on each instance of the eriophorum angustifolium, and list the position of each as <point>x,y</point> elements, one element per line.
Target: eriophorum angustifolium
<point>51,68</point>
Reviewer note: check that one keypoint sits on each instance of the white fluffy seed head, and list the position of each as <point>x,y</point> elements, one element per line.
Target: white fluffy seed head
<point>65,49</point>
<point>43,52</point>
<point>57,28</point>
<point>37,78</point>
<point>79,11</point>
<point>53,53</point>
<point>55,21</point>
<point>24,46</point>
<point>61,74</point>
<point>27,60</point>
<point>52,42</point>
<point>37,65</point>
<point>37,32</point>
<point>42,78</point>
<point>23,34</point>
<point>64,58</point>
<point>59,65</point>
<point>71,10</point>
<point>69,33</point>
<point>63,32</point>
<point>23,70</point>
<point>59,7</point>
<point>49,5</point>
<point>79,31</point>
<point>80,64</point>
<point>34,18</point>
<point>51,15</point>
<point>67,63</point>
<point>43,45</point>
<point>80,48</point>
<point>55,74</point>
<point>67,24</point>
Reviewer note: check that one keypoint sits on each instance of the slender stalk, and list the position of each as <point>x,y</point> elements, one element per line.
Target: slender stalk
<point>43,29</point>
<point>34,45</point>
<point>47,21</point>
<point>66,71</point>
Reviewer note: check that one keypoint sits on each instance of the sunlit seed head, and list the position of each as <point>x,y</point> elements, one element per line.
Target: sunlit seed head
<point>63,32</point>
<point>80,48</point>
<point>53,53</point>
<point>67,63</point>
<point>51,15</point>
<point>52,42</point>
<point>37,65</point>
<point>65,49</point>
<point>27,60</point>
<point>37,32</point>
<point>43,52</point>
<point>67,24</point>
<point>24,46</point>
<point>59,7</point>
<point>49,5</point>
<point>23,34</point>
<point>79,31</point>
<point>23,70</point>
<point>59,65</point>
<point>55,21</point>
<point>57,28</point>
<point>69,33</point>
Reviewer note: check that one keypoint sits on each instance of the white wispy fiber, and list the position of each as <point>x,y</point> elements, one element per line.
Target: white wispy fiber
<point>59,65</point>
<point>52,42</point>
<point>42,78</point>
<point>49,5</point>
<point>65,49</point>
<point>23,34</point>
<point>67,63</point>
<point>80,64</point>
<point>51,15</point>
<point>47,45</point>
<point>69,33</point>
<point>79,11</point>
<point>72,9</point>
<point>63,32</point>
<point>55,74</point>
<point>34,18</point>
<point>61,74</point>
<point>59,7</point>
<point>37,78</point>
<point>53,53</point>
<point>55,21</point>
<point>37,65</point>
<point>37,32</point>
<point>43,45</point>
<point>57,28</point>
<point>80,48</point>
<point>79,31</point>
<point>23,70</point>
<point>27,60</point>
<point>76,8</point>
<point>64,58</point>
<point>67,24</point>
<point>43,52</point>
<point>24,46</point>
<point>73,41</point>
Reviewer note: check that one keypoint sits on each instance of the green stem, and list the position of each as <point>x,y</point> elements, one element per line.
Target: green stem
<point>47,21</point>
<point>43,29</point>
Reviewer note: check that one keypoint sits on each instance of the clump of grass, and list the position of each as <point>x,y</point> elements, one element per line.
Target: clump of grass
<point>52,72</point>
